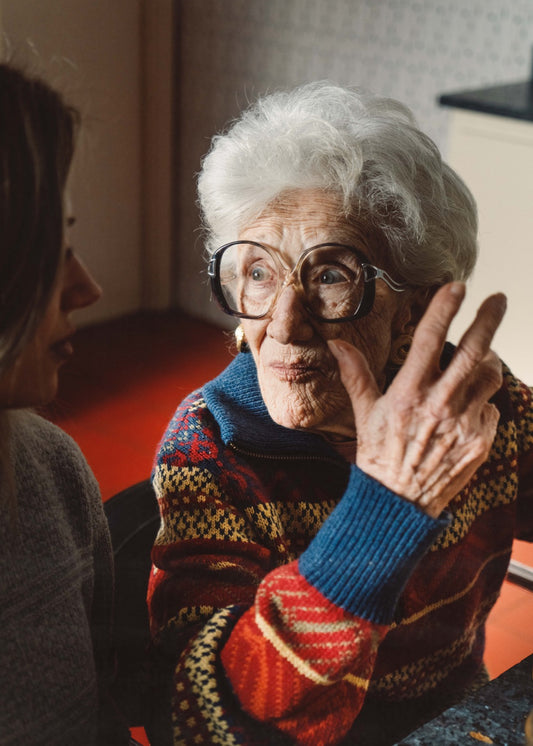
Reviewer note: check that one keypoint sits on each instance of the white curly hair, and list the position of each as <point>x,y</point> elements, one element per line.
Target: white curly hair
<point>365,148</point>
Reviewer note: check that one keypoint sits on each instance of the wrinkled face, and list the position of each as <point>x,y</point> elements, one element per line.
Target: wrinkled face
<point>32,380</point>
<point>297,374</point>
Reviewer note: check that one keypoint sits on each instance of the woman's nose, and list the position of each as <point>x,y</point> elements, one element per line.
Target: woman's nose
<point>289,320</point>
<point>80,288</point>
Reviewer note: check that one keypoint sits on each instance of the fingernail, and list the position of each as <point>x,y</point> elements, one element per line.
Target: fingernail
<point>457,288</point>
<point>337,347</point>
<point>502,298</point>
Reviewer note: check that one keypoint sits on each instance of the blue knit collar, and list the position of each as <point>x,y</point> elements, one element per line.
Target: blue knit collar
<point>235,400</point>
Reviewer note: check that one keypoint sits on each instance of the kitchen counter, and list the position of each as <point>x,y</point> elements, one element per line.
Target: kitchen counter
<point>513,100</point>
<point>495,714</point>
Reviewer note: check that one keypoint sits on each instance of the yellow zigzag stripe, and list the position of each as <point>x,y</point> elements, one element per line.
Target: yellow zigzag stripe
<point>303,668</point>
<point>451,599</point>
<point>357,681</point>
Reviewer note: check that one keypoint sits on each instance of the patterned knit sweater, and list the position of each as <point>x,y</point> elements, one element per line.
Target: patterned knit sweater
<point>56,586</point>
<point>293,599</point>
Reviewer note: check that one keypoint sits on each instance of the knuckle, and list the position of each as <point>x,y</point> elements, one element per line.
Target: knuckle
<point>489,376</point>
<point>488,425</point>
<point>468,357</point>
<point>493,370</point>
<point>441,410</point>
<point>492,417</point>
<point>482,448</point>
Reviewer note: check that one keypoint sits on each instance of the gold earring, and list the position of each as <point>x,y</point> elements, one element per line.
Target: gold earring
<point>240,340</point>
<point>400,349</point>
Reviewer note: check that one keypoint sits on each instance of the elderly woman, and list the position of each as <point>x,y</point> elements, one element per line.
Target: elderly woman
<point>338,506</point>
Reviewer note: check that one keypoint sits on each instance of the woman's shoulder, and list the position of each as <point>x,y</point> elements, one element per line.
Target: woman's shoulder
<point>514,399</point>
<point>53,482</point>
<point>519,392</point>
<point>208,412</point>
<point>193,410</point>
<point>40,446</point>
<point>28,429</point>
<point>191,424</point>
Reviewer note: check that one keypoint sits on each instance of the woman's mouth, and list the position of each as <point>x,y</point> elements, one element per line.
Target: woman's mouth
<point>293,372</point>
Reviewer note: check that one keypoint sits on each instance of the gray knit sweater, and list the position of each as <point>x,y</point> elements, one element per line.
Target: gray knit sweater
<point>56,581</point>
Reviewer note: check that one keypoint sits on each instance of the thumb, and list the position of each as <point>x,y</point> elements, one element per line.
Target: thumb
<point>356,376</point>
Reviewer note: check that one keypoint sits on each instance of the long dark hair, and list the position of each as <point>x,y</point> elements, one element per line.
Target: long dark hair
<point>37,138</point>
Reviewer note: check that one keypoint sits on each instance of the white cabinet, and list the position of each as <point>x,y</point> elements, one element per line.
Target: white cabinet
<point>494,156</point>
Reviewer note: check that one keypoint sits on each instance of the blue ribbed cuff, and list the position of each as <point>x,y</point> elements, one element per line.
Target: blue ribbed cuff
<point>365,552</point>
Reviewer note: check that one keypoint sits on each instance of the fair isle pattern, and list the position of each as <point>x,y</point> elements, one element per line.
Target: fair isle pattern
<point>199,481</point>
<point>197,510</point>
<point>185,616</point>
<point>212,521</point>
<point>496,482</point>
<point>278,520</point>
<point>199,671</point>
<point>415,679</point>
<point>264,653</point>
<point>486,491</point>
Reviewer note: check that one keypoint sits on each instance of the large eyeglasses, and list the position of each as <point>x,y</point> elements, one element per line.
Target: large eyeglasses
<point>335,281</point>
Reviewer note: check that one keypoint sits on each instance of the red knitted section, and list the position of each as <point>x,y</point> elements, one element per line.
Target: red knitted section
<point>293,643</point>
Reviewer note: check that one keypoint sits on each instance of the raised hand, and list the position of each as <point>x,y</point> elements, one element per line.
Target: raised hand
<point>429,432</point>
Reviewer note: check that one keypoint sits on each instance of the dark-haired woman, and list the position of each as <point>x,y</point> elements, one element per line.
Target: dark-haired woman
<point>56,577</point>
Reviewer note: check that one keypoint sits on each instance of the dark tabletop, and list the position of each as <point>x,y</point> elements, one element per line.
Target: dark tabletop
<point>495,714</point>
<point>513,100</point>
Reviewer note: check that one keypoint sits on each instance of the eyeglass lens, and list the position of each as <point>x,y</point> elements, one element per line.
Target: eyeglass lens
<point>330,277</point>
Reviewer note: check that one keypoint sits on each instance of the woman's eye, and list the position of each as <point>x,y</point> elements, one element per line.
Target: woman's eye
<point>259,273</point>
<point>331,276</point>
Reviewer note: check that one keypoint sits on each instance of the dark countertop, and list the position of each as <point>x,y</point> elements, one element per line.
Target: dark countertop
<point>495,714</point>
<point>513,100</point>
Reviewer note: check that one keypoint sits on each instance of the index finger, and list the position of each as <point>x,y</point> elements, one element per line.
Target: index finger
<point>432,330</point>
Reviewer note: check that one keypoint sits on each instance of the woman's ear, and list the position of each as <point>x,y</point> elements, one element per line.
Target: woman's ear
<point>413,307</point>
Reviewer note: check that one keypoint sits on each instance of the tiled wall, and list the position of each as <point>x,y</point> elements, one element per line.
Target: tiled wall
<point>231,50</point>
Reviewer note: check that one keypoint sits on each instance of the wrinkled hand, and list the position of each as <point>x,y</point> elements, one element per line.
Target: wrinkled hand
<point>426,436</point>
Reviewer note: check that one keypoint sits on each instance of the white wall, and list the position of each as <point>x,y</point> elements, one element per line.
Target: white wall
<point>112,58</point>
<point>494,155</point>
<point>159,134</point>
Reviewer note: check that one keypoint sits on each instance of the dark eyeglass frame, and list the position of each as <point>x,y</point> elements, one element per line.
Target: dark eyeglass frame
<point>371,273</point>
